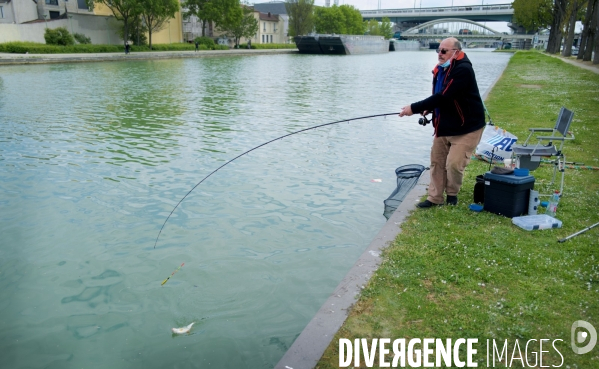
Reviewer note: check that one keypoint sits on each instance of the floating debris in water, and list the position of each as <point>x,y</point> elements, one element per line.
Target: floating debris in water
<point>183,330</point>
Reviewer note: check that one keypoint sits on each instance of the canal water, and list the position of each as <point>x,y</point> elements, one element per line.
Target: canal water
<point>94,156</point>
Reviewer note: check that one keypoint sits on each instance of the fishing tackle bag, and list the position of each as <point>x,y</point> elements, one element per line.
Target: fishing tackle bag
<point>495,144</point>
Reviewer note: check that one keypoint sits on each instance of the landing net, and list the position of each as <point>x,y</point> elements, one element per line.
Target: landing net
<point>407,177</point>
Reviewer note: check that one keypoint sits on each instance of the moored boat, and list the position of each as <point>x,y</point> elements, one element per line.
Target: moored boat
<point>341,44</point>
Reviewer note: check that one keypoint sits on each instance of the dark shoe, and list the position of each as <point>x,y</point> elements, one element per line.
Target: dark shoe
<point>427,204</point>
<point>452,200</point>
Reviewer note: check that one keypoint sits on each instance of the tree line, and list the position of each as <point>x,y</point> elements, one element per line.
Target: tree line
<point>139,16</point>
<point>561,16</point>
<point>305,18</point>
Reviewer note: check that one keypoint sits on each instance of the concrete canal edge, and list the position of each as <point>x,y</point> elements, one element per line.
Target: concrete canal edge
<point>307,349</point>
<point>11,59</point>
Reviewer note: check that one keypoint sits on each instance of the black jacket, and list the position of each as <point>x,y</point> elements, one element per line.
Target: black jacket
<point>460,106</point>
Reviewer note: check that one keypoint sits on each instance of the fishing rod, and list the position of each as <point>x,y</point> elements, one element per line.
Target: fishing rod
<point>257,147</point>
<point>577,233</point>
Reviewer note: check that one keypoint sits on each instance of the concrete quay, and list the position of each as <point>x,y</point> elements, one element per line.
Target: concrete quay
<point>11,59</point>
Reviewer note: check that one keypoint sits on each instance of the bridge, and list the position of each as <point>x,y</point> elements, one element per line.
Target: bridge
<point>459,28</point>
<point>479,13</point>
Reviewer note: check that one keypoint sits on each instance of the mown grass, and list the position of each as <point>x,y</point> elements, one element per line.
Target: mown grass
<point>454,273</point>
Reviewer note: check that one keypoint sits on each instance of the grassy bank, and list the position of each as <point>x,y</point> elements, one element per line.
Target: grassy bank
<point>453,273</point>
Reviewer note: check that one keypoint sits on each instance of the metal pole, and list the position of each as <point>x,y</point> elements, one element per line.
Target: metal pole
<point>108,30</point>
<point>577,233</point>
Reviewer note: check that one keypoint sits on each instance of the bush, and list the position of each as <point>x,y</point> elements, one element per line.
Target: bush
<point>36,48</point>
<point>206,41</point>
<point>82,39</point>
<point>58,36</point>
<point>173,47</point>
<point>272,46</point>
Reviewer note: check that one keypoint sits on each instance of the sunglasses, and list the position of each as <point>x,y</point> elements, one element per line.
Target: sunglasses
<point>443,51</point>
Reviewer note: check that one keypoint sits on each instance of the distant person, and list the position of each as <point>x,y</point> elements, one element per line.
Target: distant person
<point>127,47</point>
<point>249,44</point>
<point>458,120</point>
<point>197,45</point>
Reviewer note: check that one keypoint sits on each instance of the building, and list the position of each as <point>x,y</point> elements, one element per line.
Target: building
<point>27,20</point>
<point>15,12</point>
<point>55,9</point>
<point>278,8</point>
<point>270,29</point>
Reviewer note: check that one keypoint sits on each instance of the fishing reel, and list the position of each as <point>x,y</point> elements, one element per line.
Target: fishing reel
<point>424,121</point>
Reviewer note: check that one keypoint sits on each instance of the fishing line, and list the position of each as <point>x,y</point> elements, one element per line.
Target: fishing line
<point>257,147</point>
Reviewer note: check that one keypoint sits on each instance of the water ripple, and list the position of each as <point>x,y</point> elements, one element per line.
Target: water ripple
<point>94,156</point>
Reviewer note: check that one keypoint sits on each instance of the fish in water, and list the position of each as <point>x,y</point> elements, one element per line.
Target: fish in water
<point>183,330</point>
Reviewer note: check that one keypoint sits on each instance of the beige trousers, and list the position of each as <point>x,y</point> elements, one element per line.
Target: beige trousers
<point>449,157</point>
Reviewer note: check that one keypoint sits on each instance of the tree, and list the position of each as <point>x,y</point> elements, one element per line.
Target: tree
<point>329,20</point>
<point>376,28</point>
<point>354,24</point>
<point>215,11</point>
<point>533,14</point>
<point>593,38</point>
<point>596,20</point>
<point>586,25</point>
<point>386,28</point>
<point>344,19</point>
<point>156,14</point>
<point>372,27</point>
<point>555,35</point>
<point>58,36</point>
<point>124,10</point>
<point>243,26</point>
<point>574,7</point>
<point>301,16</point>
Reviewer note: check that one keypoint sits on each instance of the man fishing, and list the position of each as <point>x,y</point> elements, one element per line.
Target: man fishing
<point>458,119</point>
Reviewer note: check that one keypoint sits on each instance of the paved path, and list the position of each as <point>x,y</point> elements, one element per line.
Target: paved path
<point>7,59</point>
<point>579,63</point>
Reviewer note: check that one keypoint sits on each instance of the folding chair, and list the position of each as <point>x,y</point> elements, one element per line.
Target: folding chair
<point>529,155</point>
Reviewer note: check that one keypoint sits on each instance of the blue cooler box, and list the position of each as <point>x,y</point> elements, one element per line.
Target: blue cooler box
<point>507,195</point>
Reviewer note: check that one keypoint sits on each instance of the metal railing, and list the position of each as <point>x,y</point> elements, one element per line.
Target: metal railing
<point>497,8</point>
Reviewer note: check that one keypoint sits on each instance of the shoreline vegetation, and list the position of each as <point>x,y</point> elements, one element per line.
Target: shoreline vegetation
<point>453,273</point>
<point>39,48</point>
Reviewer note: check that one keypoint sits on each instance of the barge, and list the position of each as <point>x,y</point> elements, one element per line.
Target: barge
<point>341,44</point>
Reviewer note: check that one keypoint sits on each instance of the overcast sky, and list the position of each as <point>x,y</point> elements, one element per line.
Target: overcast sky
<point>400,4</point>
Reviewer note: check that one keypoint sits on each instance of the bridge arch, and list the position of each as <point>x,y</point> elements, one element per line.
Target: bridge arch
<point>451,26</point>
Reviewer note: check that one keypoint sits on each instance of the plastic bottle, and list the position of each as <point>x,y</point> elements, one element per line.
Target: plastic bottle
<point>552,207</point>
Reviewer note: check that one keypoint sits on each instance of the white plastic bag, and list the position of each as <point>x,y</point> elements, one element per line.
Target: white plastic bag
<point>495,143</point>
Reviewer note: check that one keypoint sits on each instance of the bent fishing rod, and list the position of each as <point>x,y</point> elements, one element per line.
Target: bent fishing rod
<point>257,147</point>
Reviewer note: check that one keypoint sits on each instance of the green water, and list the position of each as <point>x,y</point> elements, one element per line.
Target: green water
<point>94,156</point>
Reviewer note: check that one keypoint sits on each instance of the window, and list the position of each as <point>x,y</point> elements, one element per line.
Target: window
<point>262,38</point>
<point>271,39</point>
<point>264,26</point>
<point>82,4</point>
<point>1,12</point>
<point>52,2</point>
<point>54,15</point>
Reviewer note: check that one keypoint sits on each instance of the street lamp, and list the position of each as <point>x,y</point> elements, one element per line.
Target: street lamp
<point>71,22</point>
<point>46,19</point>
